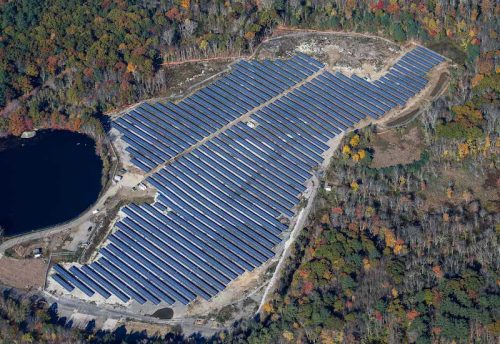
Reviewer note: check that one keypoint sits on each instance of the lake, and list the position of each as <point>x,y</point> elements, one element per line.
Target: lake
<point>46,180</point>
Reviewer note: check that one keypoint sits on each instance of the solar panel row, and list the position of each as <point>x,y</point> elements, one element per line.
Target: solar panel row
<point>218,209</point>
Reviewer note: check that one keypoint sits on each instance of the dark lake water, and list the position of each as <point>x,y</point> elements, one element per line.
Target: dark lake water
<point>45,180</point>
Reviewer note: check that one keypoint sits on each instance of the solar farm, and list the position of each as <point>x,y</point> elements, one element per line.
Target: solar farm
<point>230,164</point>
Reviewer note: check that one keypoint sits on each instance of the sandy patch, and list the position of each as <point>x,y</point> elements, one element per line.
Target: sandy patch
<point>110,324</point>
<point>151,329</point>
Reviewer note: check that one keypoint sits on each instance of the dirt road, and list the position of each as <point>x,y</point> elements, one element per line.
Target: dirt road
<point>176,63</point>
<point>68,306</point>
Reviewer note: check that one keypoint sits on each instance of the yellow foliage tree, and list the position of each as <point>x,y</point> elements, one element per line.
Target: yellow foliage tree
<point>467,115</point>
<point>462,25</point>
<point>449,192</point>
<point>32,70</point>
<point>432,26</point>
<point>331,337</point>
<point>366,264</point>
<point>355,157</point>
<point>249,35</point>
<point>476,80</point>
<point>268,308</point>
<point>463,150</point>
<point>346,150</point>
<point>487,145</point>
<point>354,142</point>
<point>355,186</point>
<point>185,4</point>
<point>399,247</point>
<point>389,237</point>
<point>288,336</point>
<point>131,67</point>
<point>203,44</point>
<point>369,211</point>
<point>350,5</point>
<point>446,217</point>
<point>474,14</point>
<point>467,196</point>
<point>27,338</point>
<point>362,154</point>
<point>402,181</point>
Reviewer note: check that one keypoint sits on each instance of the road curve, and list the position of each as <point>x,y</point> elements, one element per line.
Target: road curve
<point>111,191</point>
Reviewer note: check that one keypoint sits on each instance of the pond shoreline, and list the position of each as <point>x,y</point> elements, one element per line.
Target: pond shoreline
<point>60,169</point>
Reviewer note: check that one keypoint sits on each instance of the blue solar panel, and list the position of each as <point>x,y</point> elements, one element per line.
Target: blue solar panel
<point>310,60</point>
<point>73,280</point>
<point>330,92</point>
<point>63,282</point>
<point>99,279</point>
<point>272,83</point>
<point>298,67</point>
<point>217,213</point>
<point>177,246</point>
<point>273,71</point>
<point>230,238</point>
<point>308,138</point>
<point>86,279</point>
<point>252,87</point>
<point>304,64</point>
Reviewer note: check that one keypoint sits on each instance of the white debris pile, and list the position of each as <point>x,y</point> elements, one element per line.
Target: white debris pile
<point>310,48</point>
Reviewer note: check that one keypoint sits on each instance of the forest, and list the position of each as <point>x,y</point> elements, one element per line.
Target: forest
<point>404,253</point>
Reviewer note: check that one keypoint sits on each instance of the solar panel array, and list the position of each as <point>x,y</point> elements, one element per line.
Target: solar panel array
<point>218,207</point>
<point>158,132</point>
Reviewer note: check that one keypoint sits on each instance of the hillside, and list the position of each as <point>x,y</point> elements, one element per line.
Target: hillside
<point>403,249</point>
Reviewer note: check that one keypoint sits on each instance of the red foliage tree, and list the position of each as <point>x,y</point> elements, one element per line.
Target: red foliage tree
<point>17,124</point>
<point>307,288</point>
<point>173,14</point>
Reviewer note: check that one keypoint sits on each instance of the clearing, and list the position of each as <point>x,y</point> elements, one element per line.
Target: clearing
<point>397,147</point>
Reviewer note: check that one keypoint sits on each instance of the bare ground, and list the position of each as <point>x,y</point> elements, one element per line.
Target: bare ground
<point>53,243</point>
<point>404,118</point>
<point>398,116</point>
<point>248,286</point>
<point>149,329</point>
<point>183,79</point>
<point>396,147</point>
<point>26,274</point>
<point>443,80</point>
<point>349,53</point>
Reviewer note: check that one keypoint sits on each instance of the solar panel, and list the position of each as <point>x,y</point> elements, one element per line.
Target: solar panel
<point>218,209</point>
